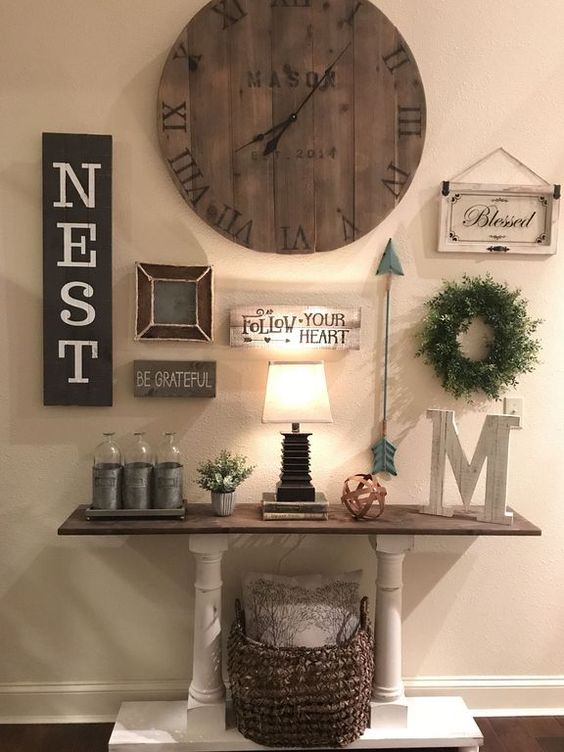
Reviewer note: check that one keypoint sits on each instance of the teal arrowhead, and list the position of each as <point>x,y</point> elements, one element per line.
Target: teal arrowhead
<point>384,452</point>
<point>389,263</point>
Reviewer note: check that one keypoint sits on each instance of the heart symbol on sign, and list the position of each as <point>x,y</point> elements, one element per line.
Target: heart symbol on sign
<point>267,339</point>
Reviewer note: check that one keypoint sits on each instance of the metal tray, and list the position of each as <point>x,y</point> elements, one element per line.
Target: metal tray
<point>135,514</point>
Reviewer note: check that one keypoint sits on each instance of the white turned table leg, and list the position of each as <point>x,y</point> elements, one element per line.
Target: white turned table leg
<point>207,690</point>
<point>389,706</point>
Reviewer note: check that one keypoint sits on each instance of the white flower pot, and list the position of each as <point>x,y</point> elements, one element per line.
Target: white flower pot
<point>223,504</point>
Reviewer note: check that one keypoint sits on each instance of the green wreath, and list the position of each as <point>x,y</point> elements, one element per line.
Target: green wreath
<point>512,351</point>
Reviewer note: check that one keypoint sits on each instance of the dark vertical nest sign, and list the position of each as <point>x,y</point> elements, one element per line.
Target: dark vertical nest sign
<point>174,303</point>
<point>77,269</point>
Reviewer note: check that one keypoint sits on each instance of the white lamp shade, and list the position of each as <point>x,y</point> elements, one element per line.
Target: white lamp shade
<point>296,393</point>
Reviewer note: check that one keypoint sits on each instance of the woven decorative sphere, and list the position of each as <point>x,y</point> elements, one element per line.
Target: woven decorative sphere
<point>360,492</point>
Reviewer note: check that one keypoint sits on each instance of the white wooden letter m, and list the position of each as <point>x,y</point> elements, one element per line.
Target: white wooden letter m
<point>492,446</point>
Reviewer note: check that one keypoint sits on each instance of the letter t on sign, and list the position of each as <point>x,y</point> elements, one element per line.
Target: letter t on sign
<point>492,446</point>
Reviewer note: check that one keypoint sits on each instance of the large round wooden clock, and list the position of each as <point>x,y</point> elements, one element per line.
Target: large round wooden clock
<point>291,125</point>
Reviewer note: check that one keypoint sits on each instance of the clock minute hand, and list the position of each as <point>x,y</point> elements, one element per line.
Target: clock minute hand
<point>273,143</point>
<point>261,136</point>
<point>323,77</point>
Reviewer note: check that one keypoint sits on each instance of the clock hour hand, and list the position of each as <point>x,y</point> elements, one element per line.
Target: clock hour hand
<point>261,136</point>
<point>273,143</point>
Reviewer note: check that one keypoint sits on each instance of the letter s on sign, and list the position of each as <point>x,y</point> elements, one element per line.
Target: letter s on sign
<point>88,309</point>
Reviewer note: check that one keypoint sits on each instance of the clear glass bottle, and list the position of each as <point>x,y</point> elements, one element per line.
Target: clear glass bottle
<point>107,474</point>
<point>138,474</point>
<point>169,474</point>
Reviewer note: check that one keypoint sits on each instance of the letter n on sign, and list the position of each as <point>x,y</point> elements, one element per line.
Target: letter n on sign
<point>77,269</point>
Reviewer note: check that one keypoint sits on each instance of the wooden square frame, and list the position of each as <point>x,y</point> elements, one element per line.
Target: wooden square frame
<point>194,328</point>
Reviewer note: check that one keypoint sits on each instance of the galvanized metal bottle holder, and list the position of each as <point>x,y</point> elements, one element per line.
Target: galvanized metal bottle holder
<point>137,486</point>
<point>168,479</point>
<point>106,486</point>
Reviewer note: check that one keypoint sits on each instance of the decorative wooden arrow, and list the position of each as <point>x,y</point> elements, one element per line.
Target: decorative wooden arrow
<point>384,450</point>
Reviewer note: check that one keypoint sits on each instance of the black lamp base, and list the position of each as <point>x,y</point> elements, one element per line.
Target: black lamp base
<point>294,492</point>
<point>295,480</point>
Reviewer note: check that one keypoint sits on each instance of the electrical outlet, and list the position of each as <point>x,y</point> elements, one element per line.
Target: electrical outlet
<point>514,406</point>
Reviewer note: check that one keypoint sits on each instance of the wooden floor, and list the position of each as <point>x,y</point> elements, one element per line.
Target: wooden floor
<point>538,734</point>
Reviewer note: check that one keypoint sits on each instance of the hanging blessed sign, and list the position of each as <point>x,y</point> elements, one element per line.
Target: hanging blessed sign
<point>295,326</point>
<point>497,217</point>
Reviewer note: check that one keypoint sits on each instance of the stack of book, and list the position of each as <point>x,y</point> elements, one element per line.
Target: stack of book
<point>294,510</point>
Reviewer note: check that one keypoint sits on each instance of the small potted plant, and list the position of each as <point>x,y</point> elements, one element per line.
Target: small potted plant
<point>221,476</point>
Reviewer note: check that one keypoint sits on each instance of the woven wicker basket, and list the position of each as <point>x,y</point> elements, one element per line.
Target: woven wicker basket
<point>301,697</point>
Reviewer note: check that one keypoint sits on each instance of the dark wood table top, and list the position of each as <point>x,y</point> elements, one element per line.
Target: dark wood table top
<point>397,519</point>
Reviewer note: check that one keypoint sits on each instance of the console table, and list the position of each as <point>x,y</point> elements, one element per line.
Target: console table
<point>200,726</point>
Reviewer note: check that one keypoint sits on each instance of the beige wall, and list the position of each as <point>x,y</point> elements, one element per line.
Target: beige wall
<point>84,622</point>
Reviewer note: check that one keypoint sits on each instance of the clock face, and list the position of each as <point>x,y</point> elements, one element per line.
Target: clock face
<point>291,125</point>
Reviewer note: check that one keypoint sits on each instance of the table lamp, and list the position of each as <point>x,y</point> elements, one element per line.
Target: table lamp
<point>296,393</point>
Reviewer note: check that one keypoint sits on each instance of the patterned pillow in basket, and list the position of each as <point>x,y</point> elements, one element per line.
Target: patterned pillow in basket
<point>305,610</point>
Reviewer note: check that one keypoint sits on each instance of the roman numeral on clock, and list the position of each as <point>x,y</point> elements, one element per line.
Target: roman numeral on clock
<point>228,222</point>
<point>290,4</point>
<point>299,243</point>
<point>396,59</point>
<point>173,118</point>
<point>181,53</point>
<point>186,170</point>
<point>350,18</point>
<point>396,180</point>
<point>410,121</point>
<point>350,231</point>
<point>230,11</point>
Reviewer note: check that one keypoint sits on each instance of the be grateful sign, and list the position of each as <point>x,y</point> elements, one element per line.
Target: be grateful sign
<point>295,326</point>
<point>174,378</point>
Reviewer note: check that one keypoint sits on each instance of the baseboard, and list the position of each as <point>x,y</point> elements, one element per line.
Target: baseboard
<point>68,702</point>
<point>496,695</point>
<point>95,702</point>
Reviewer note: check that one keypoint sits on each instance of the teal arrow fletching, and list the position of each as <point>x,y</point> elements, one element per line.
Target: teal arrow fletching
<point>384,452</point>
<point>389,263</point>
